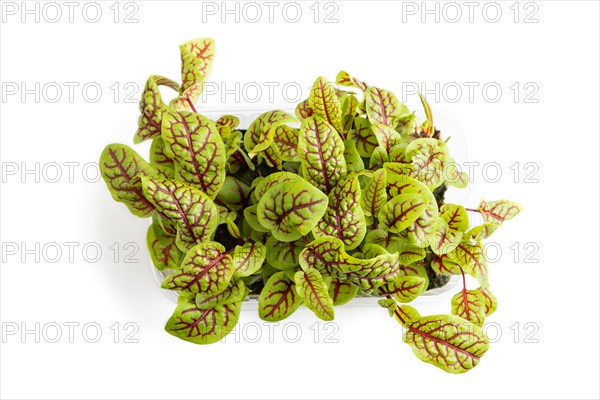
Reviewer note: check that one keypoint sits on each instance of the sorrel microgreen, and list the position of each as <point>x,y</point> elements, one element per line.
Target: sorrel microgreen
<point>342,199</point>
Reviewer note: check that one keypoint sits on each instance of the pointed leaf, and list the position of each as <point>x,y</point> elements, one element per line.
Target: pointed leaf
<point>152,108</point>
<point>278,299</point>
<point>401,211</point>
<point>291,209</point>
<point>374,195</point>
<point>194,214</point>
<point>197,57</point>
<point>206,269</point>
<point>313,290</point>
<point>248,258</point>
<point>119,164</point>
<point>325,103</point>
<point>481,232</point>
<point>272,180</point>
<point>194,142</point>
<point>202,326</point>
<point>344,218</point>
<point>363,137</point>
<point>321,152</point>
<point>382,106</point>
<point>386,136</point>
<point>446,341</point>
<point>353,160</point>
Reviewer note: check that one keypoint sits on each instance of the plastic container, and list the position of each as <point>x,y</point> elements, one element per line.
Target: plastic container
<point>448,126</point>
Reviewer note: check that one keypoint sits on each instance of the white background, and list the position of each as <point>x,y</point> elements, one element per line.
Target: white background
<point>554,356</point>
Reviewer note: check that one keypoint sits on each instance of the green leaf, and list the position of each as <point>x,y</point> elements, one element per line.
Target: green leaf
<point>470,305</point>
<point>119,164</point>
<point>382,106</point>
<point>233,229</point>
<point>480,232</point>
<point>341,292</point>
<point>230,121</point>
<point>391,243</point>
<point>442,238</point>
<point>235,292</point>
<point>152,108</point>
<point>194,214</point>
<point>445,266</point>
<point>473,260</point>
<point>404,289</point>
<point>386,136</point>
<point>329,257</point>
<point>427,157</point>
<point>284,146</point>
<point>325,104</point>
<point>374,195</point>
<point>378,158</point>
<point>251,217</point>
<point>157,154</point>
<point>321,153</point>
<point>401,211</point>
<point>304,110</point>
<point>344,217</point>
<point>278,299</point>
<point>194,142</point>
<point>455,177</point>
<point>234,193</point>
<point>162,248</point>
<point>456,216</point>
<point>363,137</point>
<point>291,209</point>
<point>284,255</point>
<point>275,179</point>
<point>248,258</point>
<point>446,341</point>
<point>428,125</point>
<point>206,269</point>
<point>197,57</point>
<point>498,211</point>
<point>345,79</point>
<point>490,301</point>
<point>353,160</point>
<point>202,326</point>
<point>389,304</point>
<point>259,135</point>
<point>312,289</point>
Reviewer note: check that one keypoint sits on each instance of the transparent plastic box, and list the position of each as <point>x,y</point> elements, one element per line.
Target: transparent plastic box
<point>448,126</point>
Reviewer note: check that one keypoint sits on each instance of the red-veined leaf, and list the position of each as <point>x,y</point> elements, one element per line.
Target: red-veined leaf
<point>401,211</point>
<point>321,152</point>
<point>152,108</point>
<point>341,292</point>
<point>470,305</point>
<point>194,142</point>
<point>498,211</point>
<point>206,269</point>
<point>325,103</point>
<point>404,289</point>
<point>313,290</point>
<point>382,106</point>
<point>248,258</point>
<point>278,299</point>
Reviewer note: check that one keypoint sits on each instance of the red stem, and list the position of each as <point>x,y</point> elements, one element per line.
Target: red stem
<point>191,105</point>
<point>398,315</point>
